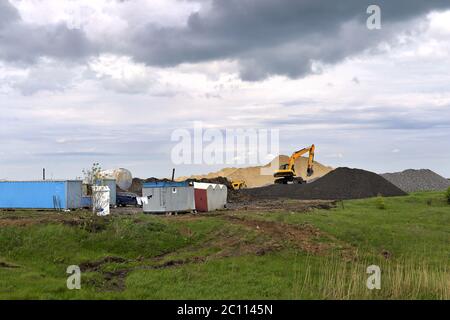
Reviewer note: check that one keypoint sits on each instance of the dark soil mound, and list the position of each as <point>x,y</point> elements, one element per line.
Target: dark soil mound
<point>153,179</point>
<point>217,180</point>
<point>339,184</point>
<point>136,185</point>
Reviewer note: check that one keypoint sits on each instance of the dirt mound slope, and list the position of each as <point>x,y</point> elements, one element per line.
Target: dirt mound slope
<point>252,175</point>
<point>137,183</point>
<point>417,180</point>
<point>216,180</point>
<point>136,187</point>
<point>339,184</point>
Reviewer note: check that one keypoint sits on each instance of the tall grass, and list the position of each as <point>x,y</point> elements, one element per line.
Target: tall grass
<point>399,280</point>
<point>447,195</point>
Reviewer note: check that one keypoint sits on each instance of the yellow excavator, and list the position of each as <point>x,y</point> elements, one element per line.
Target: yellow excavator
<point>238,184</point>
<point>286,174</point>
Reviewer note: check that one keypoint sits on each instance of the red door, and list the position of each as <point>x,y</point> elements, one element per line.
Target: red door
<point>201,200</point>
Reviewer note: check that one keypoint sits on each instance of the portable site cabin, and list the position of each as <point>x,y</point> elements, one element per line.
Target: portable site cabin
<point>46,194</point>
<point>168,197</point>
<point>209,196</point>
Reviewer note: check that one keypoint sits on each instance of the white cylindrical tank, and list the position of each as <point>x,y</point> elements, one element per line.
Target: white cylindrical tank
<point>123,177</point>
<point>100,200</point>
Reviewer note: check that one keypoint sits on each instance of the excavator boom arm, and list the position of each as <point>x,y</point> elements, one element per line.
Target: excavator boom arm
<point>298,154</point>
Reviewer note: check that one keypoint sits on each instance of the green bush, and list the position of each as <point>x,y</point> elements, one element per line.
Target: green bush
<point>380,202</point>
<point>447,195</point>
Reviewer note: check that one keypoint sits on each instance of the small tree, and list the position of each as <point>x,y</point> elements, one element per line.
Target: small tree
<point>447,195</point>
<point>380,202</point>
<point>91,176</point>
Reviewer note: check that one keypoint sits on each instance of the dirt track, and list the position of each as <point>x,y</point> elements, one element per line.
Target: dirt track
<point>292,205</point>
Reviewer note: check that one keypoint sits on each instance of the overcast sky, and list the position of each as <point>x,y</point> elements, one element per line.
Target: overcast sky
<point>109,80</point>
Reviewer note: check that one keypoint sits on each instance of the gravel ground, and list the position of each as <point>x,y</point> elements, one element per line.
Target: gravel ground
<point>417,180</point>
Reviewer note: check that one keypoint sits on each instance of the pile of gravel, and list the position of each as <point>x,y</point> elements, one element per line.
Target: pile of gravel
<point>341,183</point>
<point>417,180</point>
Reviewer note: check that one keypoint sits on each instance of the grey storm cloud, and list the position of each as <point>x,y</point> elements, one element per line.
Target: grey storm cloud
<point>266,37</point>
<point>22,42</point>
<point>276,37</point>
<point>8,13</point>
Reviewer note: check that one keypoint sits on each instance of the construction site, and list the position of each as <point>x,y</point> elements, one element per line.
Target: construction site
<point>160,227</point>
<point>299,178</point>
<point>310,181</point>
<point>224,150</point>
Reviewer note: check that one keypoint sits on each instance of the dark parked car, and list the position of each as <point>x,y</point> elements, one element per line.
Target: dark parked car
<point>124,199</point>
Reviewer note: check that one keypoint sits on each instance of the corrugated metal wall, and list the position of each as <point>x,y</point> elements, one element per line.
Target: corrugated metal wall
<point>210,197</point>
<point>40,194</point>
<point>217,198</point>
<point>74,194</point>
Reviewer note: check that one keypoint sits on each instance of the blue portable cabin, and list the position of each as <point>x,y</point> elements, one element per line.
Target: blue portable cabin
<point>47,194</point>
<point>165,184</point>
<point>86,201</point>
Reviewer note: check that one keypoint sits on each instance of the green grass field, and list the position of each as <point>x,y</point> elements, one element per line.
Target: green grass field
<point>319,254</point>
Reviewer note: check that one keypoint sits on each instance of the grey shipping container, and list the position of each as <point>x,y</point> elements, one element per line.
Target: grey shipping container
<point>111,183</point>
<point>168,197</point>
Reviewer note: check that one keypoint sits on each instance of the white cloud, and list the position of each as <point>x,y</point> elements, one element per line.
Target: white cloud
<point>47,76</point>
<point>102,18</point>
<point>121,74</point>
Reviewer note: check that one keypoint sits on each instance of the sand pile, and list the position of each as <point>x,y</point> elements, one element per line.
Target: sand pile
<point>417,180</point>
<point>341,183</point>
<point>252,175</point>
